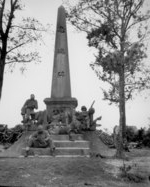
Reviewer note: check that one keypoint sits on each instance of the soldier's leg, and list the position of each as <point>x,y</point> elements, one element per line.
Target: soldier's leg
<point>28,114</point>
<point>51,145</point>
<point>87,123</point>
<point>71,134</point>
<point>32,116</point>
<point>23,113</point>
<point>29,144</point>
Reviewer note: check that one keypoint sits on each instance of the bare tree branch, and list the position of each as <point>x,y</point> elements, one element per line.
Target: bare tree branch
<point>18,46</point>
<point>18,61</point>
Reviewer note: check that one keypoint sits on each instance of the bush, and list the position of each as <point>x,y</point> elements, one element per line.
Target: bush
<point>131,135</point>
<point>141,136</point>
<point>146,139</point>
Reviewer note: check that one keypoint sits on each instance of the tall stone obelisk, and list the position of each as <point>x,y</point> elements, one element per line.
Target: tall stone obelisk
<point>61,87</point>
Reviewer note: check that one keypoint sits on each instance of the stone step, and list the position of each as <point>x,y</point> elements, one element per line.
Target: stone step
<point>74,151</point>
<point>71,156</point>
<point>66,137</point>
<point>67,143</point>
<point>56,156</point>
<point>36,151</point>
<point>64,147</point>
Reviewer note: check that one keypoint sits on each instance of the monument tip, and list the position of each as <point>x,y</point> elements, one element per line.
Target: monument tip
<point>61,7</point>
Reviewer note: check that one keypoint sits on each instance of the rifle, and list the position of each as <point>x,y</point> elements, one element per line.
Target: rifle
<point>92,104</point>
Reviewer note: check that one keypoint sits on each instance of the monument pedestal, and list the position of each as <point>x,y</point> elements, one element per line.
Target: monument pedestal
<point>60,104</point>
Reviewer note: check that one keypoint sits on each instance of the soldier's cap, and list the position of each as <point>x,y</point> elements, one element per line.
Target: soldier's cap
<point>40,127</point>
<point>83,108</point>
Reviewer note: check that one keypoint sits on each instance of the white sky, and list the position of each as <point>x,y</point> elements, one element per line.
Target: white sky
<point>84,83</point>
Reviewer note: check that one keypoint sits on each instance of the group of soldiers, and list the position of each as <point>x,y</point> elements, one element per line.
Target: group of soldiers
<point>60,122</point>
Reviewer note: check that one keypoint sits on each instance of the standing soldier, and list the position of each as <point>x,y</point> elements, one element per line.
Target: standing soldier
<point>27,110</point>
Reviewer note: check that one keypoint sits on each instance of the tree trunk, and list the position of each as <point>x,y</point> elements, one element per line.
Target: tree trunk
<point>122,121</point>
<point>2,67</point>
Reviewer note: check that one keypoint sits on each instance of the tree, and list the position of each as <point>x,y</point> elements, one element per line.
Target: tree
<point>16,37</point>
<point>109,25</point>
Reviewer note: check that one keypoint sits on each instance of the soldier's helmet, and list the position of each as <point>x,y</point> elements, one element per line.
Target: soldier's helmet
<point>91,111</point>
<point>40,128</point>
<point>83,108</point>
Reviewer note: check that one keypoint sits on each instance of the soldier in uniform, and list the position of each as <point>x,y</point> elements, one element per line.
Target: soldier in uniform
<point>40,139</point>
<point>85,119</point>
<point>27,110</point>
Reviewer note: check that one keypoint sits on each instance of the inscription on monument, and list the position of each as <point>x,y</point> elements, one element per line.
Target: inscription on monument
<point>61,29</point>
<point>61,74</point>
<point>62,51</point>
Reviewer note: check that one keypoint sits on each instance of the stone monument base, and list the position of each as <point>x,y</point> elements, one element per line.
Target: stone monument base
<point>64,147</point>
<point>60,104</point>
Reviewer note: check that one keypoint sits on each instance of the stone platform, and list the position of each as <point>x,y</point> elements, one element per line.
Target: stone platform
<point>64,147</point>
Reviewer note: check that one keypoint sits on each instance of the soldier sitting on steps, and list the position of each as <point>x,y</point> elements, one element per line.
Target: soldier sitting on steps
<point>40,139</point>
<point>84,117</point>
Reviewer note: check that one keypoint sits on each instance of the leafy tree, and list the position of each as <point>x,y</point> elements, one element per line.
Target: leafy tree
<point>118,30</point>
<point>140,134</point>
<point>131,135</point>
<point>16,37</point>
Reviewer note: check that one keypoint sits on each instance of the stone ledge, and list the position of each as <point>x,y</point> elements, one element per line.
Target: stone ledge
<point>72,151</point>
<point>36,151</point>
<point>61,101</point>
<point>58,151</point>
<point>66,137</point>
<point>67,143</point>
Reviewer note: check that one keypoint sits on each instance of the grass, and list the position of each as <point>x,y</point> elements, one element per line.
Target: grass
<point>62,172</point>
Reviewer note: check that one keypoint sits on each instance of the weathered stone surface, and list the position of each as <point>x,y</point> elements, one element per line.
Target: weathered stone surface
<point>66,137</point>
<point>73,144</point>
<point>61,74</point>
<point>61,88</point>
<point>59,151</point>
<point>64,146</point>
<point>72,151</point>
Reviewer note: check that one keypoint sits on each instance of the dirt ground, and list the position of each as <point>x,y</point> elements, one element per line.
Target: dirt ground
<point>72,172</point>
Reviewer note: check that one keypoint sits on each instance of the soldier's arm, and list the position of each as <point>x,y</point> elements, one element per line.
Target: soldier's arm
<point>36,104</point>
<point>34,135</point>
<point>25,104</point>
<point>47,135</point>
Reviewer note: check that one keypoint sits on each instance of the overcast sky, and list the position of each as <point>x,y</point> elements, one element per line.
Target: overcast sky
<point>84,83</point>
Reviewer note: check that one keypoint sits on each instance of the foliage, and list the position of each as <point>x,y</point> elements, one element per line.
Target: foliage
<point>146,139</point>
<point>117,29</point>
<point>126,174</point>
<point>142,136</point>
<point>17,36</point>
<point>10,135</point>
<point>109,26</point>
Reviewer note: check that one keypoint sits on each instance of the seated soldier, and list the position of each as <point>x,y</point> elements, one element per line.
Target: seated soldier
<point>27,110</point>
<point>40,139</point>
<point>53,128</point>
<point>55,118</point>
<point>85,119</point>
